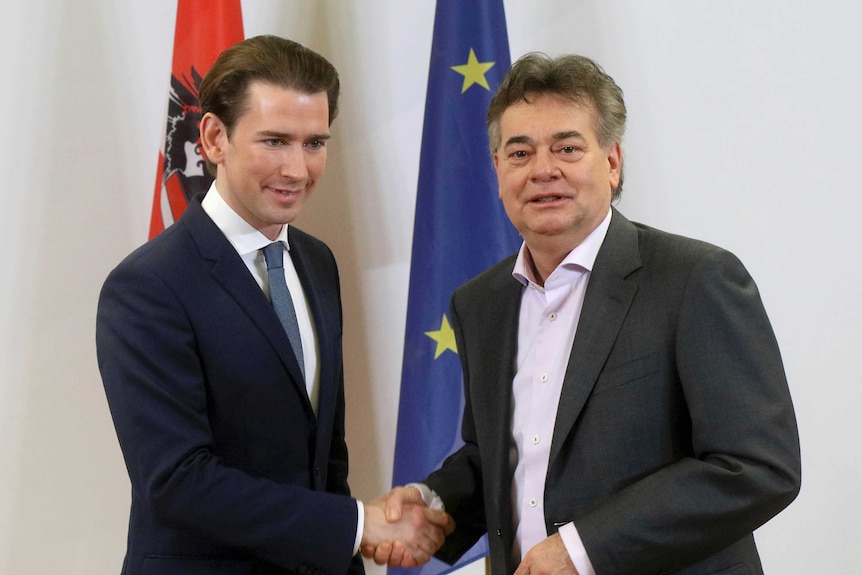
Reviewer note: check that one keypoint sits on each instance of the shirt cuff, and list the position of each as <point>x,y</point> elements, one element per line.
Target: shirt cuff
<point>575,547</point>
<point>360,525</point>
<point>429,496</point>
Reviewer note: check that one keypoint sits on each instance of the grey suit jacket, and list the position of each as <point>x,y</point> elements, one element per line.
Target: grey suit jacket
<point>675,435</point>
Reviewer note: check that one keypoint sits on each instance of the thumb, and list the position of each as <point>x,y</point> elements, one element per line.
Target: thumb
<point>396,500</point>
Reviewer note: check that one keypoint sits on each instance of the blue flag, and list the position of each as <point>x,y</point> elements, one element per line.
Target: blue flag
<point>460,230</point>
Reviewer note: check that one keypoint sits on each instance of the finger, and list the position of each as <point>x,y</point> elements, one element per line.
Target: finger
<point>420,557</point>
<point>398,556</point>
<point>429,542</point>
<point>526,563</point>
<point>441,519</point>
<point>367,551</point>
<point>450,527</point>
<point>427,536</point>
<point>408,561</point>
<point>441,532</point>
<point>411,495</point>
<point>395,502</point>
<point>420,532</point>
<point>382,553</point>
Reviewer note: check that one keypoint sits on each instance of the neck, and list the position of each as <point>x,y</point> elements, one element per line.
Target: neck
<point>272,232</point>
<point>543,260</point>
<point>548,251</point>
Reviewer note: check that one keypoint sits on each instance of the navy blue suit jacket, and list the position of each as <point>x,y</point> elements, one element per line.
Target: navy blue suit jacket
<point>675,436</point>
<point>231,471</point>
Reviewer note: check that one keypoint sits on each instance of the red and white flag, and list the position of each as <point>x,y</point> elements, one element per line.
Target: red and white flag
<point>204,29</point>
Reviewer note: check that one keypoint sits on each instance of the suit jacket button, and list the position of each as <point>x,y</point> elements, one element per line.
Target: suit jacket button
<point>499,532</point>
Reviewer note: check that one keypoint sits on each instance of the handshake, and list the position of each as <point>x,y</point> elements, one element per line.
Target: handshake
<point>401,530</point>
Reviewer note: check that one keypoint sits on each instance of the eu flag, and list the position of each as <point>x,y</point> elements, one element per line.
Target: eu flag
<point>460,230</point>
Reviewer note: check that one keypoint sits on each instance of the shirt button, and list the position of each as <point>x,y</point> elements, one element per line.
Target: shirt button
<point>533,502</point>
<point>544,377</point>
<point>535,439</point>
<point>552,316</point>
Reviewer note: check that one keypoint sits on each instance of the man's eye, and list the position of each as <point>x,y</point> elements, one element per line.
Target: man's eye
<point>519,154</point>
<point>570,149</point>
<point>315,144</point>
<point>570,153</point>
<point>273,142</point>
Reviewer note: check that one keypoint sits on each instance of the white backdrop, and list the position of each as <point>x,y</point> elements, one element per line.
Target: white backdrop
<point>744,124</point>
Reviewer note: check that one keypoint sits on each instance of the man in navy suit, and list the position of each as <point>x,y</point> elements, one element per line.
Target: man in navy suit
<point>233,441</point>
<point>627,411</point>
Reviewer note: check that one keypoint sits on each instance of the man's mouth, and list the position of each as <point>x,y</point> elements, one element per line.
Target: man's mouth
<point>285,192</point>
<point>546,199</point>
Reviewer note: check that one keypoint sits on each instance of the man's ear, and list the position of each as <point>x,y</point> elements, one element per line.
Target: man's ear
<point>615,164</point>
<point>496,158</point>
<point>213,137</point>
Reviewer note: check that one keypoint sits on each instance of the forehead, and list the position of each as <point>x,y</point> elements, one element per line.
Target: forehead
<point>273,102</point>
<point>542,114</point>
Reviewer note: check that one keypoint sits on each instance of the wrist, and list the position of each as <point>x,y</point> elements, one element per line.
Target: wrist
<point>429,496</point>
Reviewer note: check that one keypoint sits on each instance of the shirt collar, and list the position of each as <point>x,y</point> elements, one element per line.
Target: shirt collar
<point>581,258</point>
<point>244,237</point>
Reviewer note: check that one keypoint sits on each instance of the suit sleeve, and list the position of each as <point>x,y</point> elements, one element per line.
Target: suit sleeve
<point>745,463</point>
<point>458,481</point>
<point>338,459</point>
<point>157,393</point>
<point>336,477</point>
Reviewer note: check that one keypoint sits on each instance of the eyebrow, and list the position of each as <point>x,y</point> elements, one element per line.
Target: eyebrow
<point>517,140</point>
<point>557,136</point>
<point>568,134</point>
<point>287,136</point>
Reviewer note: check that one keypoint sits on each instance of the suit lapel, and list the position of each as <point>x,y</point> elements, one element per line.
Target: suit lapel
<point>499,337</point>
<point>606,304</point>
<point>498,334</point>
<point>510,291</point>
<point>322,291</point>
<point>324,316</point>
<point>230,271</point>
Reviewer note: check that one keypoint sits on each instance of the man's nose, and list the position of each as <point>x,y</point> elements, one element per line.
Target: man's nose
<point>545,165</point>
<point>294,164</point>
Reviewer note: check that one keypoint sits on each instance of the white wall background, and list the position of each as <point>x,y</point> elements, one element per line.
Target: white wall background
<point>744,126</point>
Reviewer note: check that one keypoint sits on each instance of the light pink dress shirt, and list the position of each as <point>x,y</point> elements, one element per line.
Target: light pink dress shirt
<point>546,330</point>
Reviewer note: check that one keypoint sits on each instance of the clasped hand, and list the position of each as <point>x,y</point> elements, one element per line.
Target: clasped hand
<point>401,531</point>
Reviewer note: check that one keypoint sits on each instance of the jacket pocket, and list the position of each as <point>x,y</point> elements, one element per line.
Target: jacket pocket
<point>629,372</point>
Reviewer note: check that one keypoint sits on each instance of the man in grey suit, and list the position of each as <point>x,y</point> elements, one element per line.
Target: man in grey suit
<point>626,407</point>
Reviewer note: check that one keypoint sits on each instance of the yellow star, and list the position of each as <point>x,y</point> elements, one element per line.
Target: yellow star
<point>474,72</point>
<point>445,338</point>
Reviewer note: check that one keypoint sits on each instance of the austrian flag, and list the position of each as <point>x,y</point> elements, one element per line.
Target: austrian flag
<point>203,31</point>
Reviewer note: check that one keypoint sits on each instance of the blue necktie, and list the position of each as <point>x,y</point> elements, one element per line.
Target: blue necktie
<point>281,300</point>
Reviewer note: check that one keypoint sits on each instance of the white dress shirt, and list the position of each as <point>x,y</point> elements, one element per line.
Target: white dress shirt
<point>248,242</point>
<point>547,326</point>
